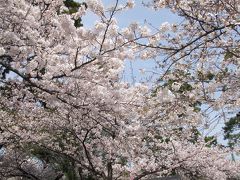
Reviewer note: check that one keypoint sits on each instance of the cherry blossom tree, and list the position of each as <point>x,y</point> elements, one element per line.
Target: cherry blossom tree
<point>65,109</point>
<point>204,52</point>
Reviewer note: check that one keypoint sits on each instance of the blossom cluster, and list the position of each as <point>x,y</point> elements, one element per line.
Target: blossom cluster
<point>62,95</point>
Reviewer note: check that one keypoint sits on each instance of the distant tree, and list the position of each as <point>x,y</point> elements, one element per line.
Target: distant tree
<point>72,7</point>
<point>232,131</point>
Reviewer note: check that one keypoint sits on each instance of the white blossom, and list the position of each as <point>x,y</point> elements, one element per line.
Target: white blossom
<point>2,51</point>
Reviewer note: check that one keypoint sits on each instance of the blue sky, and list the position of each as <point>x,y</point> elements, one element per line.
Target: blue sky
<point>139,13</point>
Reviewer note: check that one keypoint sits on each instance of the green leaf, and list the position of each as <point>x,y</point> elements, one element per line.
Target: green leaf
<point>211,140</point>
<point>210,76</point>
<point>185,87</point>
<point>228,55</point>
<point>231,130</point>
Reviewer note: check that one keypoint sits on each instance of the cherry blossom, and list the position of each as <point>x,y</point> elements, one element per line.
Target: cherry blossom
<point>64,107</point>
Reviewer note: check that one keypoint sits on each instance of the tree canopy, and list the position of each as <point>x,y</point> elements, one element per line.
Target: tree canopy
<point>65,112</point>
